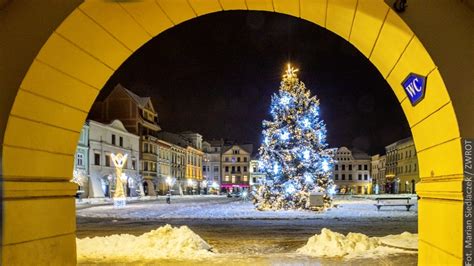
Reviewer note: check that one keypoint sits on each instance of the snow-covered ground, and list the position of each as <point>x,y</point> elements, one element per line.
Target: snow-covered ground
<point>223,208</point>
<point>241,235</point>
<point>180,243</point>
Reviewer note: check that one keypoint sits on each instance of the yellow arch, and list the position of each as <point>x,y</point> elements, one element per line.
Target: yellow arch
<point>93,41</point>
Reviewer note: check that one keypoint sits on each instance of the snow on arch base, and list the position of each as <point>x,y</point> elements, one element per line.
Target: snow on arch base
<point>166,242</point>
<point>356,245</point>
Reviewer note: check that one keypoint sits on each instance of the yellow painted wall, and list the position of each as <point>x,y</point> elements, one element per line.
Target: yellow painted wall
<point>79,55</point>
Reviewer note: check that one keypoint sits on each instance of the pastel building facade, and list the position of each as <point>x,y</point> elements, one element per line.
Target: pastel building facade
<point>81,163</point>
<point>352,172</point>
<point>139,117</point>
<point>107,139</point>
<point>212,166</point>
<point>235,167</point>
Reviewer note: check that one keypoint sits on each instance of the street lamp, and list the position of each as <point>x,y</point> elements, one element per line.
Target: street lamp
<point>204,185</point>
<point>170,181</point>
<point>190,185</point>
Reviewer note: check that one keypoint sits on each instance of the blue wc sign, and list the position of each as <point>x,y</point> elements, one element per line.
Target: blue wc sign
<point>414,86</point>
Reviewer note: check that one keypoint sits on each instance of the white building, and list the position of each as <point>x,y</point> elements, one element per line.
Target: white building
<point>211,166</point>
<point>352,172</point>
<point>256,175</point>
<point>103,141</point>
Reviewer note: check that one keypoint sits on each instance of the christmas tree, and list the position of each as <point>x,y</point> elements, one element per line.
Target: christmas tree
<point>294,152</point>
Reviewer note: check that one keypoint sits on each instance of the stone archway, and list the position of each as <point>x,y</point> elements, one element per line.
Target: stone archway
<point>80,55</point>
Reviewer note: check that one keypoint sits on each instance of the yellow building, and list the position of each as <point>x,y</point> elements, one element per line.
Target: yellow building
<point>407,166</point>
<point>194,164</point>
<point>402,167</point>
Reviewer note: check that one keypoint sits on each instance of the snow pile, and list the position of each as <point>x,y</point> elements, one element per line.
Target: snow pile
<point>166,242</point>
<point>332,244</point>
<point>404,240</point>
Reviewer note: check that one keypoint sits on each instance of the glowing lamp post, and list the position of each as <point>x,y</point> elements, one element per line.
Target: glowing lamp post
<point>204,185</point>
<point>170,181</point>
<point>119,197</point>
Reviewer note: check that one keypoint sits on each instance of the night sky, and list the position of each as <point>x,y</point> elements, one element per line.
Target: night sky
<point>215,75</point>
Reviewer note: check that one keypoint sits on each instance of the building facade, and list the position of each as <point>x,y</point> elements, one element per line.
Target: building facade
<point>105,139</point>
<point>164,165</point>
<point>402,167</point>
<point>186,160</point>
<point>178,168</point>
<point>139,117</point>
<point>81,163</point>
<point>256,175</point>
<point>211,166</point>
<point>194,177</point>
<point>352,172</point>
<point>407,166</point>
<point>235,164</point>
<point>378,173</point>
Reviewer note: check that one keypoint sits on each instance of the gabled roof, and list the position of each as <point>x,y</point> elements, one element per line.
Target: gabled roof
<point>246,147</point>
<point>173,138</point>
<point>142,102</point>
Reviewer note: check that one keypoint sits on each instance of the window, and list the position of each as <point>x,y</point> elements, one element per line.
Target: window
<point>145,166</point>
<point>216,168</point>
<point>360,167</point>
<point>96,158</point>
<point>414,167</point>
<point>227,168</point>
<point>360,177</point>
<point>245,168</point>
<point>350,166</point>
<point>350,176</point>
<point>145,147</point>
<point>337,167</point>
<point>365,167</point>
<point>366,177</point>
<point>80,159</point>
<point>121,142</point>
<point>233,169</point>
<point>226,178</point>
<point>245,159</point>
<point>204,168</point>
<point>107,160</point>
<point>238,159</point>
<point>343,177</point>
<point>236,151</point>
<point>245,179</point>
<point>134,164</point>
<point>336,177</point>
<point>343,167</point>
<point>233,179</point>
<point>226,159</point>
<point>238,168</point>
<point>113,139</point>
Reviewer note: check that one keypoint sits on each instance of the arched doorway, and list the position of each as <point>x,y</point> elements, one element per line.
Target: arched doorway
<point>90,44</point>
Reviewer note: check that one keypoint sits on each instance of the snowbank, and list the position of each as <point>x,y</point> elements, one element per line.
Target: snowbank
<point>166,242</point>
<point>332,244</point>
<point>404,240</point>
